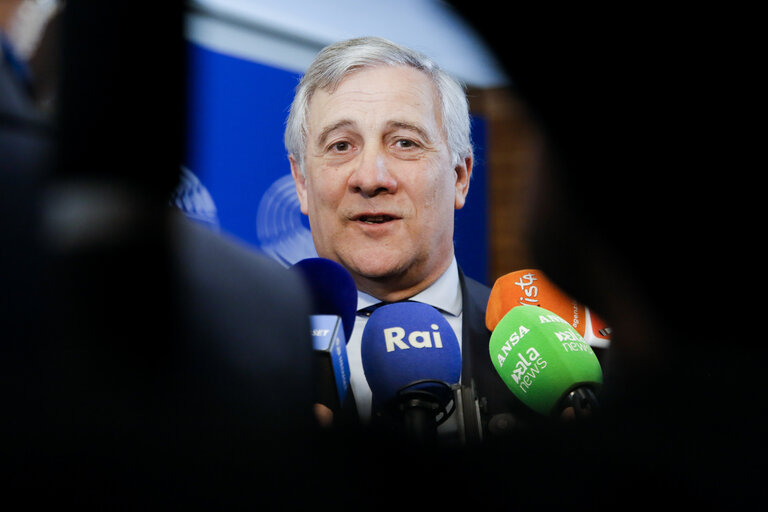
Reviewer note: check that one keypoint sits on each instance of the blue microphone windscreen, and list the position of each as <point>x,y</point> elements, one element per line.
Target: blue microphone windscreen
<point>332,288</point>
<point>405,342</point>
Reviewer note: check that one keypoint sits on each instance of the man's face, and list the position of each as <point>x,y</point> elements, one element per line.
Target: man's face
<point>379,185</point>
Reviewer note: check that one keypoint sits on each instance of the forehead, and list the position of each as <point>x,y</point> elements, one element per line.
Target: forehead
<point>378,94</point>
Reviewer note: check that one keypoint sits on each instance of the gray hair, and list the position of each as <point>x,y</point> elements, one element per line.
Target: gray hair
<point>340,59</point>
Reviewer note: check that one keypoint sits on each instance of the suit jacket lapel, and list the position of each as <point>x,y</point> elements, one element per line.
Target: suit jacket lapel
<point>474,334</point>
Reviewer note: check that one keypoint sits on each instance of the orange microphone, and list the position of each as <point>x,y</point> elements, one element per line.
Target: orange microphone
<point>530,287</point>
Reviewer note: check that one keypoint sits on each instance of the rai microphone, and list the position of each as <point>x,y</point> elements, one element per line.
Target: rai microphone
<point>532,287</point>
<point>334,304</point>
<point>412,362</point>
<point>545,362</point>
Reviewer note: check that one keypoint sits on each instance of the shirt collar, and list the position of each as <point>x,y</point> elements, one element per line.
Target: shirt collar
<point>444,294</point>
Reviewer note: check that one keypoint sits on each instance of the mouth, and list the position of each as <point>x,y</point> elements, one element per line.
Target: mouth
<point>368,218</point>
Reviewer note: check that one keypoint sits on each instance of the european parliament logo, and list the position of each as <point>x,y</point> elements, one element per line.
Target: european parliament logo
<point>194,200</point>
<point>279,227</point>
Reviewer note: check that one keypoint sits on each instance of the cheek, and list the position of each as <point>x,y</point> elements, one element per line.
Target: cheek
<point>438,191</point>
<point>324,193</point>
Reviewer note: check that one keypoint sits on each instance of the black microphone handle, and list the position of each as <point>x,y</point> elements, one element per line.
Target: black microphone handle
<point>419,419</point>
<point>468,410</point>
<point>583,401</point>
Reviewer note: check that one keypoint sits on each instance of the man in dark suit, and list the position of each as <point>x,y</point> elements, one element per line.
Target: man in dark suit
<point>379,145</point>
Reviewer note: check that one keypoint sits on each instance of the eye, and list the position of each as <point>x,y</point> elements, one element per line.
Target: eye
<point>340,147</point>
<point>405,144</point>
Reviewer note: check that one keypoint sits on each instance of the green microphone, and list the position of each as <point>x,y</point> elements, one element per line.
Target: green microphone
<point>545,362</point>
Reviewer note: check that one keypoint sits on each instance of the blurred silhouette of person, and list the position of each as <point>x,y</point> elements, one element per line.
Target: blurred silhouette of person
<point>620,217</point>
<point>147,359</point>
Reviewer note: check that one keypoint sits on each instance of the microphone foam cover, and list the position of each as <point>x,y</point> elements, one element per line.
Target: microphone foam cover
<point>531,287</point>
<point>405,342</point>
<point>332,288</point>
<point>541,358</point>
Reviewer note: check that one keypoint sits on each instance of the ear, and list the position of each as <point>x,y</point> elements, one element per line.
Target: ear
<point>301,184</point>
<point>463,175</point>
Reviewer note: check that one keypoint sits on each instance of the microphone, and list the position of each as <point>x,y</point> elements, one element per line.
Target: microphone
<point>332,289</point>
<point>334,304</point>
<point>545,362</point>
<point>331,365</point>
<point>412,362</point>
<point>533,288</point>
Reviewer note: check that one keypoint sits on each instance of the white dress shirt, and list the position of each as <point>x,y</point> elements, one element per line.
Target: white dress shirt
<point>444,294</point>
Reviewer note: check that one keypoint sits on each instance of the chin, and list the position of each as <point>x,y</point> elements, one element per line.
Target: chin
<point>378,271</point>
<point>376,265</point>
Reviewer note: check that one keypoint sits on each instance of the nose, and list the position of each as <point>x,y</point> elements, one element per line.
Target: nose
<point>371,176</point>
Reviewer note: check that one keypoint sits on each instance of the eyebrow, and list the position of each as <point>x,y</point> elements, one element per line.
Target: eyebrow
<point>331,128</point>
<point>343,123</point>
<point>413,127</point>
